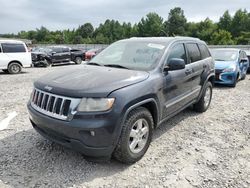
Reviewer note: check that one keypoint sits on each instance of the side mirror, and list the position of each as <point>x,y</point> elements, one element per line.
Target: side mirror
<point>175,64</point>
<point>53,53</point>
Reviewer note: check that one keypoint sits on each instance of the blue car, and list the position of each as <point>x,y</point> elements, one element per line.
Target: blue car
<point>230,65</point>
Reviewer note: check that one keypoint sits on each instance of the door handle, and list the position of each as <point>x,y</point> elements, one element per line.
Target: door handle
<point>188,71</point>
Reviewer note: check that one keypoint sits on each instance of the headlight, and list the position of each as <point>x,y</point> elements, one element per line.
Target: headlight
<point>95,104</point>
<point>229,69</point>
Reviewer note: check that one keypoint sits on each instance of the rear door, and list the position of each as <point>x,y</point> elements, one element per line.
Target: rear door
<point>196,66</point>
<point>177,84</point>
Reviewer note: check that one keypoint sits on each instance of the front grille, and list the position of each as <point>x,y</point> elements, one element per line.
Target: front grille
<point>56,106</point>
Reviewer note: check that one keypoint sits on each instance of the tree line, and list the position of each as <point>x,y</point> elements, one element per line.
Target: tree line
<point>230,29</point>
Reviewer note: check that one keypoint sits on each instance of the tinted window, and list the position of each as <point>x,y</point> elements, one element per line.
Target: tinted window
<point>13,48</point>
<point>65,50</point>
<point>178,51</point>
<point>204,51</point>
<point>193,53</point>
<point>57,50</point>
<point>0,48</point>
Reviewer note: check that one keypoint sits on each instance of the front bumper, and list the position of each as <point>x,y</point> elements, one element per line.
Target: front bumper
<point>227,78</point>
<point>76,134</point>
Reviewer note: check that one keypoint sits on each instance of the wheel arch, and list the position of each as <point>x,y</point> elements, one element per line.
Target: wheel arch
<point>15,61</point>
<point>150,104</point>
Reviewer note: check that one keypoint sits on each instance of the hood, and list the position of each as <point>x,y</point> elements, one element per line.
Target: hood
<point>89,80</point>
<point>224,64</point>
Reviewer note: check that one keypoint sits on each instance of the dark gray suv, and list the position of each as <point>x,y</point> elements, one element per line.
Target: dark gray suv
<point>111,105</point>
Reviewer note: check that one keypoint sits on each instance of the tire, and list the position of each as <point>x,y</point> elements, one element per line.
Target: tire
<point>203,104</point>
<point>78,60</point>
<point>47,63</point>
<point>244,77</point>
<point>5,70</point>
<point>14,68</point>
<point>134,141</point>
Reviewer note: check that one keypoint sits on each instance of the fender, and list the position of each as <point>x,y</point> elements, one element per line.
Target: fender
<point>204,83</point>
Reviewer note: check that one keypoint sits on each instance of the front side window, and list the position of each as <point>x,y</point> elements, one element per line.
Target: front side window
<point>178,51</point>
<point>136,55</point>
<point>13,48</point>
<point>193,52</point>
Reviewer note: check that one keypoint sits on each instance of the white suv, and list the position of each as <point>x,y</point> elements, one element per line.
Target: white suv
<point>14,55</point>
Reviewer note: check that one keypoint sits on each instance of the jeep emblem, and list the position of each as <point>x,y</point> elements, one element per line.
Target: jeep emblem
<point>48,88</point>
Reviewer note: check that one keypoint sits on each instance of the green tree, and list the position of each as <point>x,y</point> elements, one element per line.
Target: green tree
<point>222,37</point>
<point>86,30</point>
<point>206,29</point>
<point>240,23</point>
<point>225,22</point>
<point>176,23</point>
<point>151,26</point>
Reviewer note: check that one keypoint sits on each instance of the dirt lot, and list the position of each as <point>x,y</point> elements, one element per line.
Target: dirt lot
<point>189,150</point>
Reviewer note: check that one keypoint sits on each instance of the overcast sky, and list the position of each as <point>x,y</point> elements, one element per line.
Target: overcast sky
<point>62,14</point>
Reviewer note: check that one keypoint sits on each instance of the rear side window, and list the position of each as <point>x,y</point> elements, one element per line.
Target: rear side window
<point>13,48</point>
<point>204,51</point>
<point>178,51</point>
<point>193,52</point>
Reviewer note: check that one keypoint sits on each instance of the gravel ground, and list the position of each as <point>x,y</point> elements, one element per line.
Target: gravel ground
<point>190,150</point>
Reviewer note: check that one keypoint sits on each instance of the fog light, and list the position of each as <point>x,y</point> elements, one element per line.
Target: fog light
<point>92,133</point>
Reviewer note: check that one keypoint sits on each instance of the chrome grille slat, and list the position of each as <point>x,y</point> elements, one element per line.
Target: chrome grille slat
<point>55,106</point>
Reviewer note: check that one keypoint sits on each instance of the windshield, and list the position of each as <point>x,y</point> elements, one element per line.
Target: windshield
<point>135,55</point>
<point>224,55</point>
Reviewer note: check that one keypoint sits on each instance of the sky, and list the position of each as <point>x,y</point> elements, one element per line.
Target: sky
<point>63,14</point>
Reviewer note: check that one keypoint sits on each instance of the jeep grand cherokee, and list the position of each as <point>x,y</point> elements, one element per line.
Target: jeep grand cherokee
<point>111,105</point>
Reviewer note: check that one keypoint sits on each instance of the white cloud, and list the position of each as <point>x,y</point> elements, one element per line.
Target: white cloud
<point>63,14</point>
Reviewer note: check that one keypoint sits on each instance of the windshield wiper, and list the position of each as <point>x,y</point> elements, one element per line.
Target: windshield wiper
<point>116,66</point>
<point>93,63</point>
<point>219,60</point>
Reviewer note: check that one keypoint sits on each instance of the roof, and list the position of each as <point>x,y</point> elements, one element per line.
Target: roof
<point>10,41</point>
<point>231,49</point>
<point>165,39</point>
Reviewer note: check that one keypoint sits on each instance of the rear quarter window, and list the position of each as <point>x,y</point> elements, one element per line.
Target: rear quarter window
<point>13,48</point>
<point>193,52</point>
<point>204,51</point>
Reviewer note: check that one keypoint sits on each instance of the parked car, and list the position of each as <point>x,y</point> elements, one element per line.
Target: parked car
<point>56,54</point>
<point>230,65</point>
<point>92,53</point>
<point>248,56</point>
<point>112,105</point>
<point>14,56</point>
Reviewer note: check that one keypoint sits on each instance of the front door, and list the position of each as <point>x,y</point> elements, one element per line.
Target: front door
<point>177,84</point>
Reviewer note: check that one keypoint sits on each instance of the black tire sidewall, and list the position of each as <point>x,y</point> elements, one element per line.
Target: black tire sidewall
<point>127,155</point>
<point>78,59</point>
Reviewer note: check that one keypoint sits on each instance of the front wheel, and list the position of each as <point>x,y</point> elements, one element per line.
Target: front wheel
<point>78,60</point>
<point>14,68</point>
<point>135,137</point>
<point>203,104</point>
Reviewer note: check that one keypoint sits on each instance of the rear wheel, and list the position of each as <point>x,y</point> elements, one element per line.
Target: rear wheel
<point>78,60</point>
<point>203,104</point>
<point>135,137</point>
<point>14,68</point>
